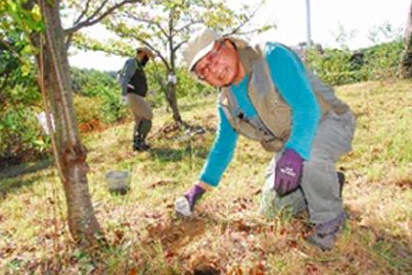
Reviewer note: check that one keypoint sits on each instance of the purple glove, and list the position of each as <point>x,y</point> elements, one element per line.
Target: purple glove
<point>193,195</point>
<point>287,172</point>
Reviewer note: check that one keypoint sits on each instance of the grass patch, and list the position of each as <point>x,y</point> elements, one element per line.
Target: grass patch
<point>226,235</point>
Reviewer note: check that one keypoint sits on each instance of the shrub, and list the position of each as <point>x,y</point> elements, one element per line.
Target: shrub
<point>21,136</point>
<point>103,88</point>
<point>382,61</point>
<point>332,66</point>
<point>87,108</point>
<point>338,67</point>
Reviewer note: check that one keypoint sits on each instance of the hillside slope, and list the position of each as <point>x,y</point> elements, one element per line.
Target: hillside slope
<point>226,235</point>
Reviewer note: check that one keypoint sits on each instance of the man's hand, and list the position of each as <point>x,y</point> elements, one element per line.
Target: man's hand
<point>287,172</point>
<point>124,100</point>
<point>185,204</point>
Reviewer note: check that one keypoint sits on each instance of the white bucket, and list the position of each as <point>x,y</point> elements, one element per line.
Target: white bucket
<point>118,181</point>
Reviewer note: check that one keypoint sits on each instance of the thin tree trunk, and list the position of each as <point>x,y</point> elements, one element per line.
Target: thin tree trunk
<point>406,61</point>
<point>172,100</point>
<point>70,154</point>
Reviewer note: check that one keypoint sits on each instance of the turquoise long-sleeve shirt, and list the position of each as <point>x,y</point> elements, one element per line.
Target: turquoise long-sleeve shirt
<point>288,75</point>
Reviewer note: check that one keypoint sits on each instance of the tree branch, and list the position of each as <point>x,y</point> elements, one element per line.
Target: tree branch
<point>131,16</point>
<point>244,22</point>
<point>93,19</point>
<point>83,13</point>
<point>153,49</point>
<point>179,45</point>
<point>188,25</point>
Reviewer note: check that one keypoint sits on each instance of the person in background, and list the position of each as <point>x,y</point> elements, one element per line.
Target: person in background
<point>268,95</point>
<point>134,89</point>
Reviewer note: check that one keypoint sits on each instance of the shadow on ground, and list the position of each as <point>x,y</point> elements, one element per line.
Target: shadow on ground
<point>172,155</point>
<point>11,184</point>
<point>11,177</point>
<point>25,168</point>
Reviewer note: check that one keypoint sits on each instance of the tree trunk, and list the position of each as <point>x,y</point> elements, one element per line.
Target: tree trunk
<point>406,61</point>
<point>172,101</point>
<point>70,155</point>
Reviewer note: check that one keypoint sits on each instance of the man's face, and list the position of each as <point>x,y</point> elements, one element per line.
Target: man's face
<point>144,60</point>
<point>142,57</point>
<point>221,66</point>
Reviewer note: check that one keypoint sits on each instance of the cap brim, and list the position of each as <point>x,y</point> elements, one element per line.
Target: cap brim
<point>200,54</point>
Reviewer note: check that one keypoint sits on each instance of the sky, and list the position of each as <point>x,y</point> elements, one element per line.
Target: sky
<point>328,18</point>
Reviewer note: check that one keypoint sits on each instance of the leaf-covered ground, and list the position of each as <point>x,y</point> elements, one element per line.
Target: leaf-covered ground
<point>226,236</point>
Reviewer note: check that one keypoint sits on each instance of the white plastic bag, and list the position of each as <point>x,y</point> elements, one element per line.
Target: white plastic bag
<point>43,122</point>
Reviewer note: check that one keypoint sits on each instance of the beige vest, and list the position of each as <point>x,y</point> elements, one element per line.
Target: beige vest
<point>273,124</point>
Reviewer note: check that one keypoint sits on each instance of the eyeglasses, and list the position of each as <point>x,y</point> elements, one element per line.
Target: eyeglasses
<point>202,68</point>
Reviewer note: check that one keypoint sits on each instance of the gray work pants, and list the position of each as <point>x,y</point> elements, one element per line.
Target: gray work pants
<point>319,187</point>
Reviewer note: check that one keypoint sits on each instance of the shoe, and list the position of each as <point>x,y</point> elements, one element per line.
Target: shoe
<point>182,207</point>
<point>325,234</point>
<point>141,146</point>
